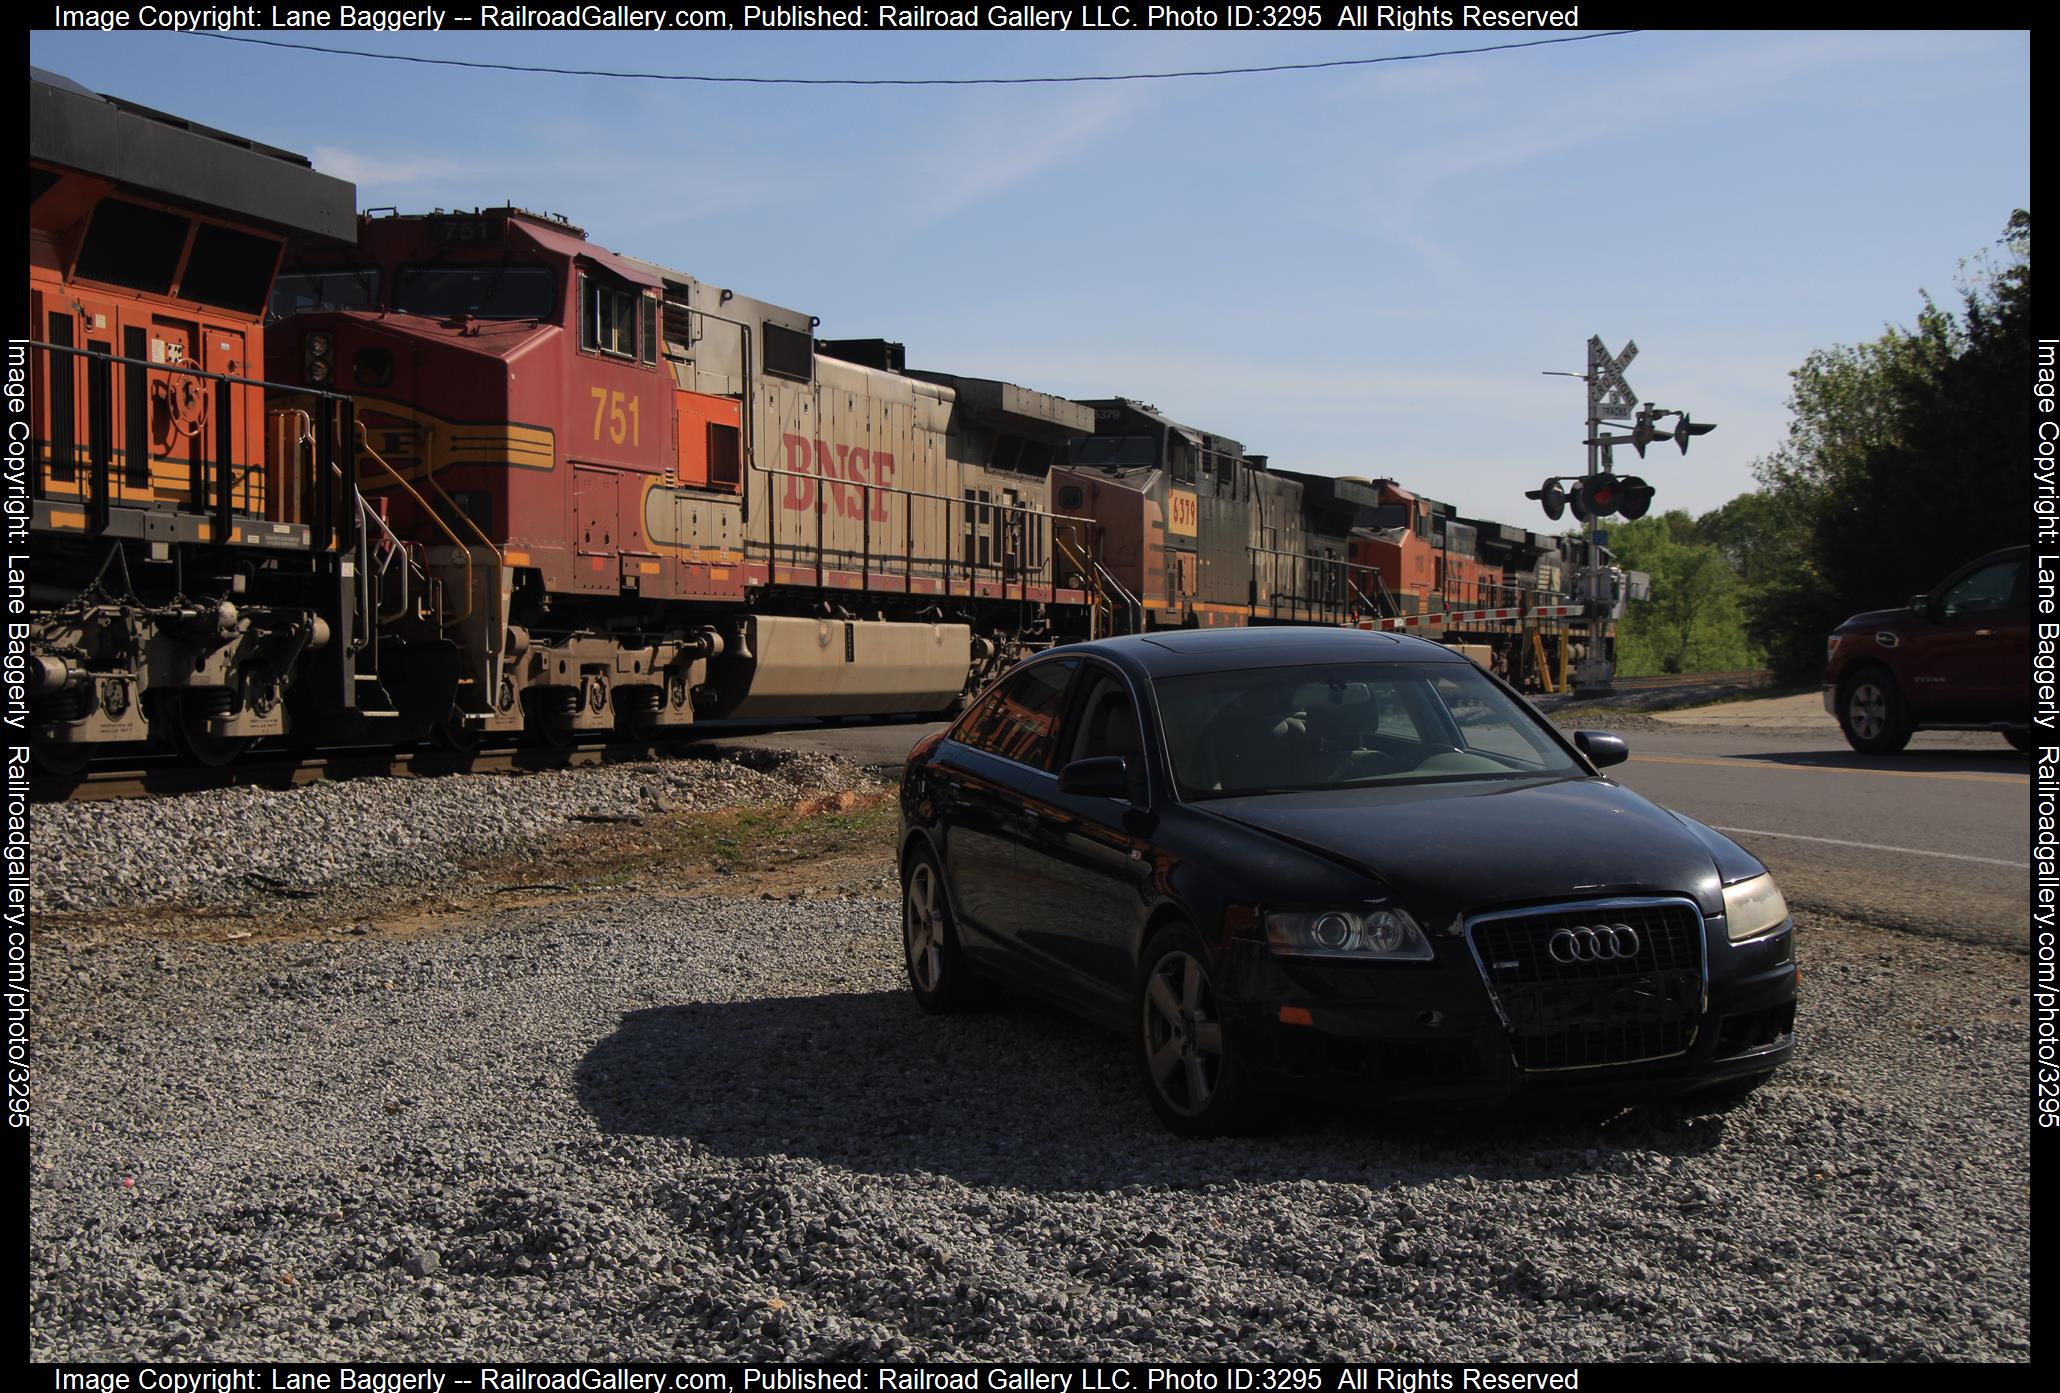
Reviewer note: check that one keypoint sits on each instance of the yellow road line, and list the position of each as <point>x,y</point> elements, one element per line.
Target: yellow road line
<point>1824,769</point>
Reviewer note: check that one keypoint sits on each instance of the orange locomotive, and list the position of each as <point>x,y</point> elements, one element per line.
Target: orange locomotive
<point>189,546</point>
<point>643,499</point>
<point>494,479</point>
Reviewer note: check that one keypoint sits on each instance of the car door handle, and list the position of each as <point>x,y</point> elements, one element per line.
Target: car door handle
<point>1984,633</point>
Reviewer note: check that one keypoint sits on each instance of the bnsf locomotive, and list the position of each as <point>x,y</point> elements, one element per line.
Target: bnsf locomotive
<point>308,475</point>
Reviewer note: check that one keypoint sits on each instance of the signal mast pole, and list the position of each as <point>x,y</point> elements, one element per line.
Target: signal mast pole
<point>1599,492</point>
<point>1609,397</point>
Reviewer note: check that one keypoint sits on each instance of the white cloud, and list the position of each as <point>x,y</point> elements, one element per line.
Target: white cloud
<point>385,171</point>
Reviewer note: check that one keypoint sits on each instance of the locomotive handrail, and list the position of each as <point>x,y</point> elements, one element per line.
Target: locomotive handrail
<point>100,364</point>
<point>971,568</point>
<point>442,526</point>
<point>913,493</point>
<point>1296,600</point>
<point>300,389</point>
<point>394,547</point>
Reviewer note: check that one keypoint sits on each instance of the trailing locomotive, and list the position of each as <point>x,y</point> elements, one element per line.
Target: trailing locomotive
<point>497,480</point>
<point>645,498</point>
<point>190,545</point>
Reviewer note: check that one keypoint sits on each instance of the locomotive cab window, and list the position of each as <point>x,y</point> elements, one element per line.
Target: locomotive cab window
<point>496,291</point>
<point>297,292</point>
<point>608,317</point>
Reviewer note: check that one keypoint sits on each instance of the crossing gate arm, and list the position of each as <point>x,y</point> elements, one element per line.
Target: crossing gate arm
<point>1472,616</point>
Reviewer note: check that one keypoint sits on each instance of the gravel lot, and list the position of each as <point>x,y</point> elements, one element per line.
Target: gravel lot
<point>234,847</point>
<point>662,1126</point>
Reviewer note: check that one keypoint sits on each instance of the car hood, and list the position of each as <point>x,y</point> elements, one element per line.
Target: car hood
<point>1878,619</point>
<point>1453,848</point>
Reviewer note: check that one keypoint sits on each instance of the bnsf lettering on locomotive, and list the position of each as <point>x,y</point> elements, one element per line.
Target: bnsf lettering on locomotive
<point>850,465</point>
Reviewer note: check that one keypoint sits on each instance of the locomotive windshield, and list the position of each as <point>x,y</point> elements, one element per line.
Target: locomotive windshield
<point>354,288</point>
<point>476,292</point>
<point>1114,449</point>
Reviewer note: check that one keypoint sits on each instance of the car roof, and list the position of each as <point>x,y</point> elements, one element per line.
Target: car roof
<point>1179,652</point>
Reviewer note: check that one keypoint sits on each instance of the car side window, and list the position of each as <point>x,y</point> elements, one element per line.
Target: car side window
<point>1987,589</point>
<point>1105,723</point>
<point>1019,719</point>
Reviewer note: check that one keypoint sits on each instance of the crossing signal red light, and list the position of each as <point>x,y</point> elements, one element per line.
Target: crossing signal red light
<point>1599,494</point>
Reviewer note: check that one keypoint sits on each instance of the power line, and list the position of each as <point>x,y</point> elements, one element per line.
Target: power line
<point>911,81</point>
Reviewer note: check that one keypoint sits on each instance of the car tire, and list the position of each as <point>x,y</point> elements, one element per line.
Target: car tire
<point>930,951</point>
<point>1187,1056</point>
<point>2020,740</point>
<point>1872,714</point>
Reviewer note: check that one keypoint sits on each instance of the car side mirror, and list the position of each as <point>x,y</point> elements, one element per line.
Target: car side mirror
<point>1602,748</point>
<point>1105,776</point>
<point>1920,602</point>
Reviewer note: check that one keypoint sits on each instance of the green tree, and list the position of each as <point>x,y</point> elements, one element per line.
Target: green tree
<point>1693,622</point>
<point>1901,461</point>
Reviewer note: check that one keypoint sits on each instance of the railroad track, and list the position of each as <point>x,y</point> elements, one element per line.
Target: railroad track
<point>1749,677</point>
<point>160,776</point>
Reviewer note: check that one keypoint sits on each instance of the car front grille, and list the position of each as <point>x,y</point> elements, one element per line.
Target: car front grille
<point>1615,1005</point>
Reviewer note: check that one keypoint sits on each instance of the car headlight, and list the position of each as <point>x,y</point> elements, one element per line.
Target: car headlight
<point>1346,933</point>
<point>1753,907</point>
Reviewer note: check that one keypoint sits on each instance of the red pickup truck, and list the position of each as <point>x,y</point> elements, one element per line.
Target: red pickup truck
<point>1956,659</point>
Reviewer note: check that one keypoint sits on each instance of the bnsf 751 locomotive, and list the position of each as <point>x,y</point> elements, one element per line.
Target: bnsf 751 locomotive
<point>479,476</point>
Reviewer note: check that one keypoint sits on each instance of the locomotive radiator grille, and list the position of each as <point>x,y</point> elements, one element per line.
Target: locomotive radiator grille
<point>1580,986</point>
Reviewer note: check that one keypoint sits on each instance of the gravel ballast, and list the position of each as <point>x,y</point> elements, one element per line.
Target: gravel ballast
<point>666,1127</point>
<point>236,846</point>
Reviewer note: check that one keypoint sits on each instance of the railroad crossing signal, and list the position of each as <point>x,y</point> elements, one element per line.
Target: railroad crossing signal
<point>1647,430</point>
<point>1595,496</point>
<point>1610,395</point>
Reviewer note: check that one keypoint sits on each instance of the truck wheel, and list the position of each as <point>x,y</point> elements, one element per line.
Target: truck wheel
<point>1870,712</point>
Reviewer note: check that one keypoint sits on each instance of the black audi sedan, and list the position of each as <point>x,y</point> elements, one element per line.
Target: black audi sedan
<point>1349,859</point>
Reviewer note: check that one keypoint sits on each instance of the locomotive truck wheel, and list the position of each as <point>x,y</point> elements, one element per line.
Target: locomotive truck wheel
<point>203,747</point>
<point>929,941</point>
<point>1871,713</point>
<point>59,760</point>
<point>454,735</point>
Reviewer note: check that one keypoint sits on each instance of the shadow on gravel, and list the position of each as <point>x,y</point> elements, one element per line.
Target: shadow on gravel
<point>1031,1098</point>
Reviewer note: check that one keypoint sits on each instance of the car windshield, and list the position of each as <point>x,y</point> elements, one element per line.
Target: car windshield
<point>1283,730</point>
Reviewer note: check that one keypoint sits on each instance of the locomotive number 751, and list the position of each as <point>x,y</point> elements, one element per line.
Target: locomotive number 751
<point>623,424</point>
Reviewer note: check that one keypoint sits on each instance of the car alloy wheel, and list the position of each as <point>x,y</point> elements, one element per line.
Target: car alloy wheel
<point>1867,708</point>
<point>923,928</point>
<point>1870,712</point>
<point>1183,1036</point>
<point>929,940</point>
<point>1187,1051</point>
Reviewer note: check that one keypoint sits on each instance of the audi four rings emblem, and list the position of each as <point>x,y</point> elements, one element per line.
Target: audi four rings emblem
<point>1600,943</point>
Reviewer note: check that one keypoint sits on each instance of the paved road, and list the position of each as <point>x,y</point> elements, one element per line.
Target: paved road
<point>1933,840</point>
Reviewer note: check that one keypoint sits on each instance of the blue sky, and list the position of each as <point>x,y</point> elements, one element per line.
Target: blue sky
<point>1357,271</point>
